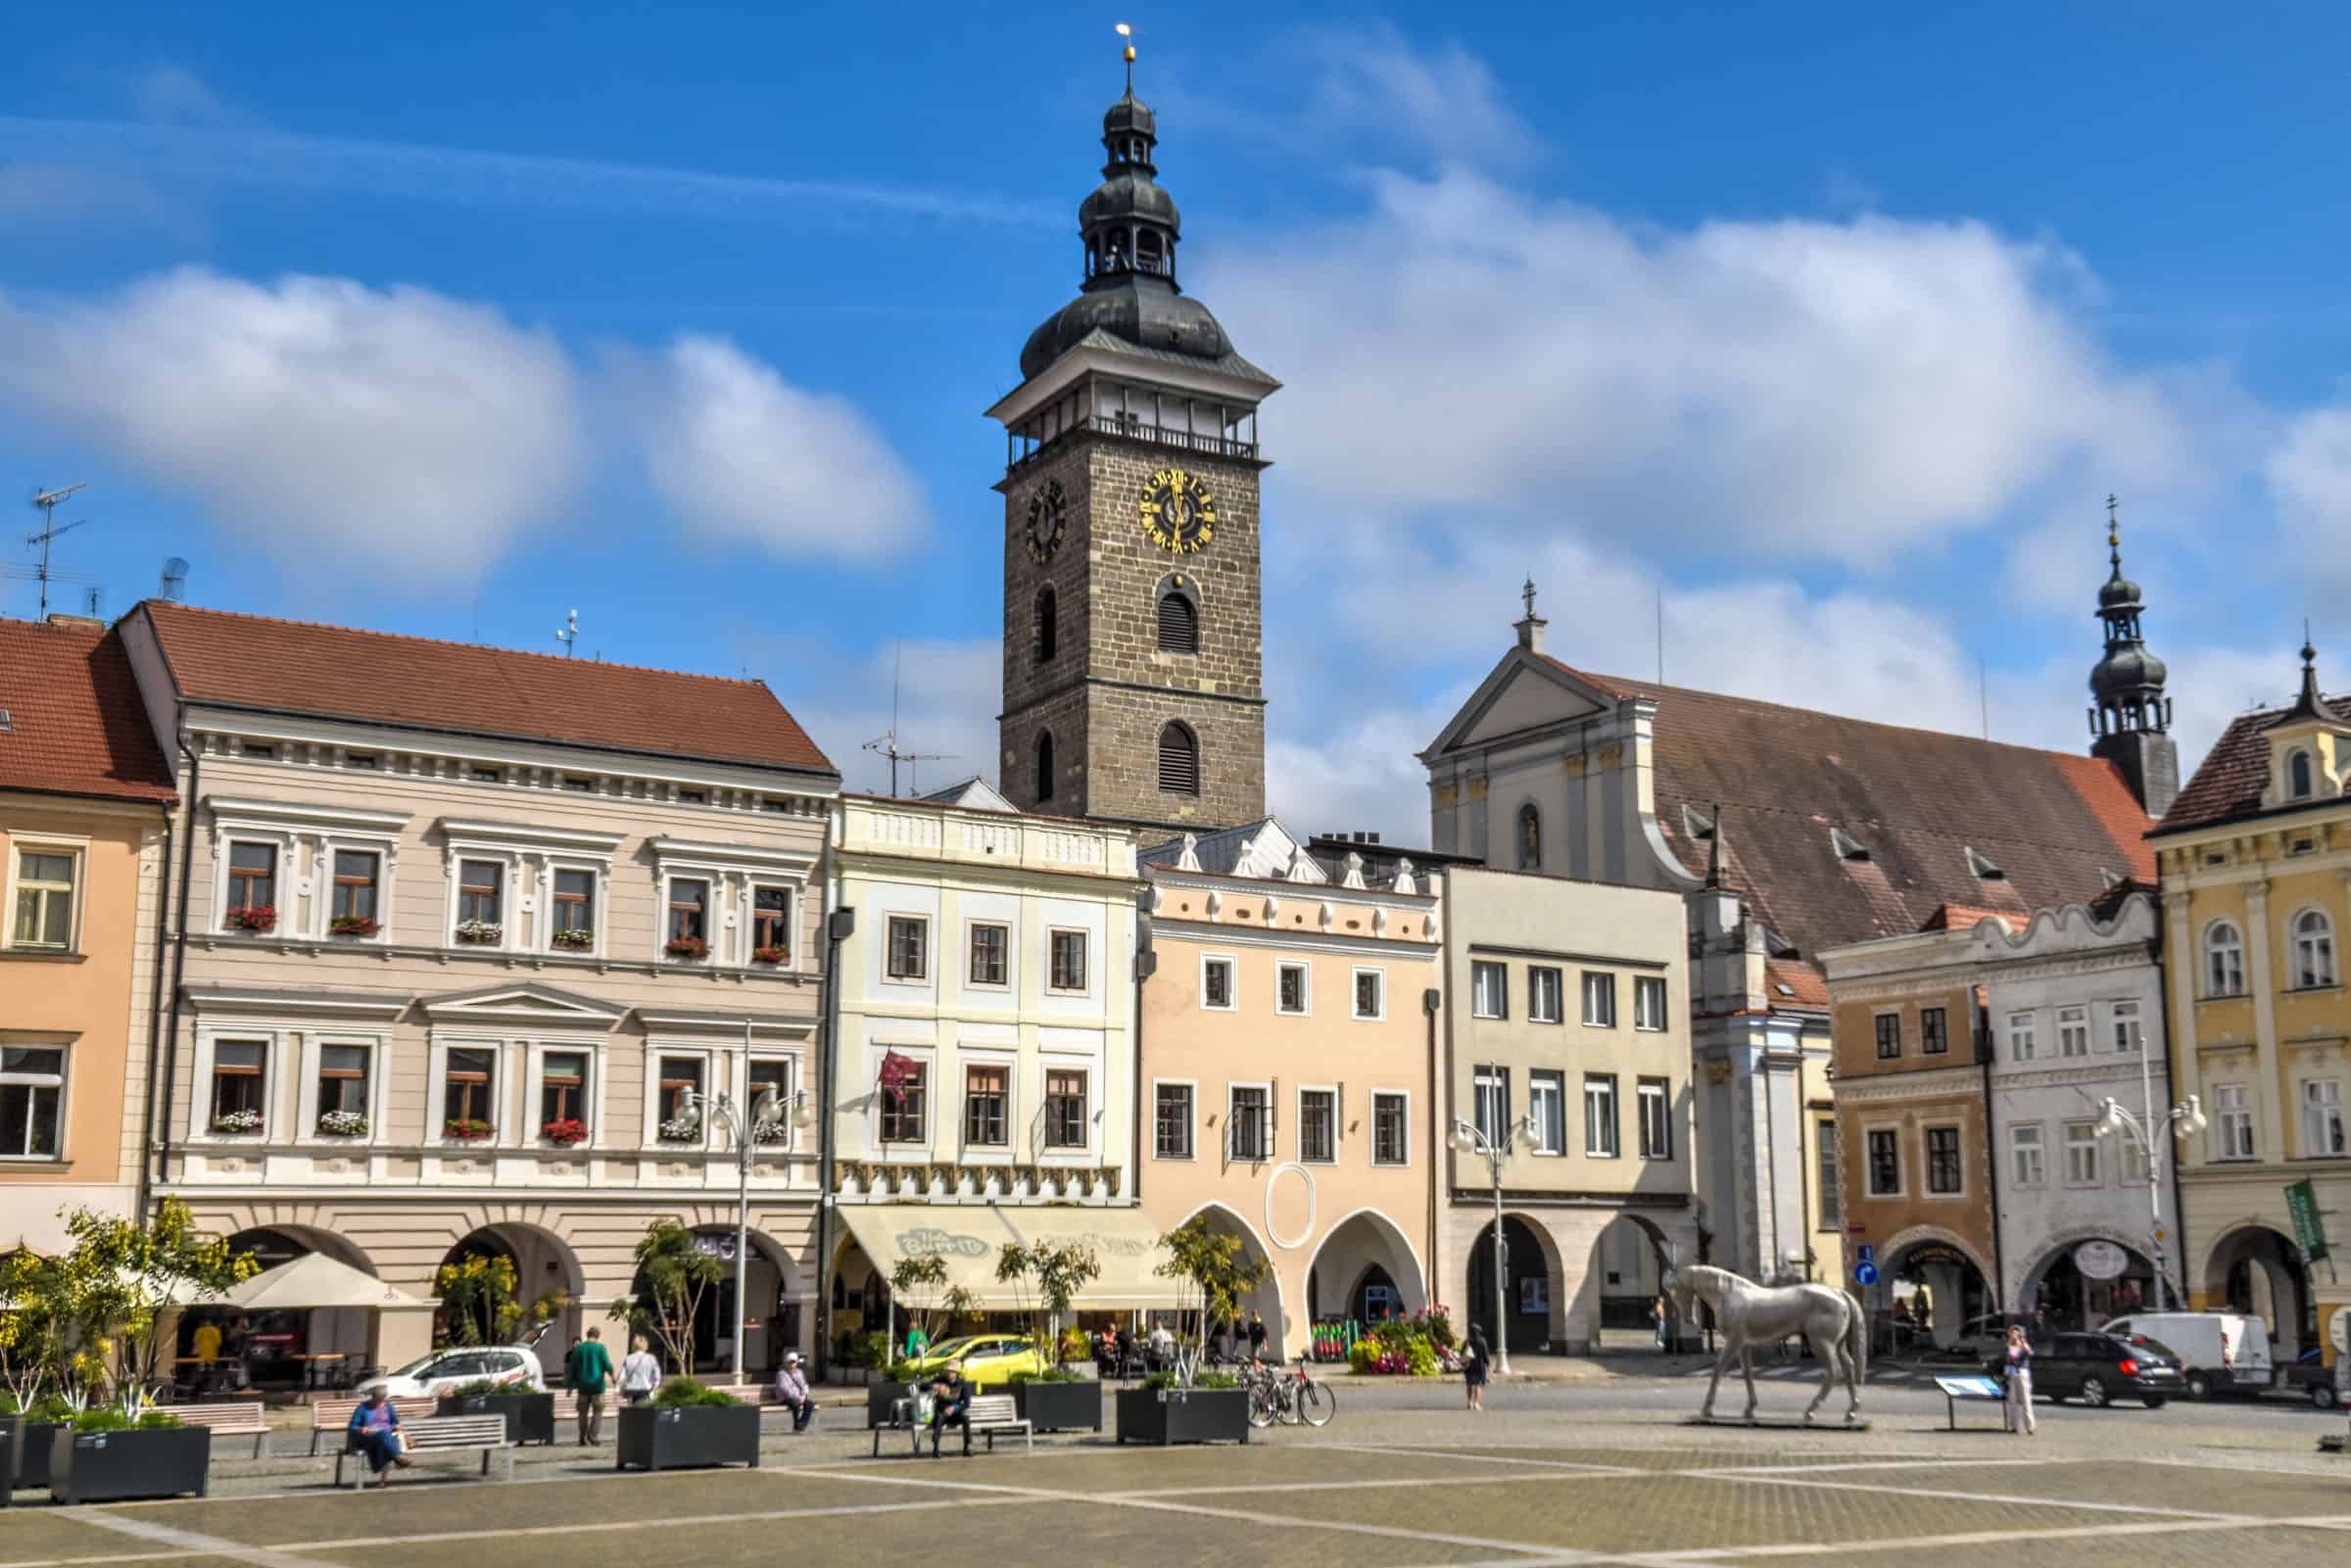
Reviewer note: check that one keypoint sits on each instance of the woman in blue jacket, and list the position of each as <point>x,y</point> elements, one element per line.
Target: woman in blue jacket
<point>375,1432</point>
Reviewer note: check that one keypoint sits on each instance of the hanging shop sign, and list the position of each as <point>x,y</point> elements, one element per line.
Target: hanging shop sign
<point>2302,1204</point>
<point>2100,1260</point>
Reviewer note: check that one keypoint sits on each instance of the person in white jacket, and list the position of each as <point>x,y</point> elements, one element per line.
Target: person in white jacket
<point>792,1392</point>
<point>640,1373</point>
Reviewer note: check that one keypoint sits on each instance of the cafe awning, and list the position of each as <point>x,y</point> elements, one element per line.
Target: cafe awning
<point>969,1237</point>
<point>316,1280</point>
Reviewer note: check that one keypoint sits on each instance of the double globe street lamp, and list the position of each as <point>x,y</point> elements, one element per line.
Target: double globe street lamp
<point>1468,1139</point>
<point>765,1120</point>
<point>2184,1120</point>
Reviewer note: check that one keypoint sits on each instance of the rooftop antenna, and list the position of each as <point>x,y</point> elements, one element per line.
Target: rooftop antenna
<point>570,633</point>
<point>1127,33</point>
<point>175,579</point>
<point>1984,695</point>
<point>886,743</point>
<point>93,604</point>
<point>47,501</point>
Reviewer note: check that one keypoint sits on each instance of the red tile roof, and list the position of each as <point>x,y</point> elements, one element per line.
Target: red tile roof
<point>1959,917</point>
<point>75,725</point>
<point>1806,985</point>
<point>2057,827</point>
<point>2228,781</point>
<point>252,661</point>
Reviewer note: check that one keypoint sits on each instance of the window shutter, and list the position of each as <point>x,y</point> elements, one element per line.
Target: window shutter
<point>1179,625</point>
<point>1178,761</point>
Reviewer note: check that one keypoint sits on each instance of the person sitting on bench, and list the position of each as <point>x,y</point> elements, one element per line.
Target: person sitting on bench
<point>951,1401</point>
<point>792,1392</point>
<point>375,1432</point>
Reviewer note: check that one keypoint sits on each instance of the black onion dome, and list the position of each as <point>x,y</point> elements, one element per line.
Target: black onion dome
<point>2119,592</point>
<point>1130,115</point>
<point>1127,195</point>
<point>1145,310</point>
<point>2125,672</point>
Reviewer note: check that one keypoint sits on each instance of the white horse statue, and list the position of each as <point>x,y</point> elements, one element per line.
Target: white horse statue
<point>1747,1315</point>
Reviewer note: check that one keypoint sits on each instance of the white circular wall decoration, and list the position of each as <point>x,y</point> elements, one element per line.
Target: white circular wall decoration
<point>2100,1260</point>
<point>1305,1176</point>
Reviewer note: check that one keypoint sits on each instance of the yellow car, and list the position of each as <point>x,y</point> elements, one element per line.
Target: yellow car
<point>989,1361</point>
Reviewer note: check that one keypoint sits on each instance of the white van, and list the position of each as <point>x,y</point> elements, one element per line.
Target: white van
<point>2219,1352</point>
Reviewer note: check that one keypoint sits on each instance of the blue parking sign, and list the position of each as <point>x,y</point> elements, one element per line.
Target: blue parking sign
<point>1869,1254</point>
<point>1865,1272</point>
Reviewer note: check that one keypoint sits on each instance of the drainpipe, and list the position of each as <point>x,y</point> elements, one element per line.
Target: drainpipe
<point>1430,1000</point>
<point>154,1019</point>
<point>2178,1248</point>
<point>839,923</point>
<point>1991,1156</point>
<point>1803,1163</point>
<point>1146,965</point>
<point>162,1128</point>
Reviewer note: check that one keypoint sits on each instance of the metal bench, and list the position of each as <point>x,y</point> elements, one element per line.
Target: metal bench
<point>442,1434</point>
<point>763,1395</point>
<point>247,1419</point>
<point>334,1416</point>
<point>903,1418</point>
<point>1978,1387</point>
<point>991,1415</point>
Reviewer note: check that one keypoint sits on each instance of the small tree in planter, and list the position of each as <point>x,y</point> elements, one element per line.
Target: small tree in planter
<point>920,1285</point>
<point>121,1275</point>
<point>673,1276</point>
<point>477,1298</point>
<point>1211,1273</point>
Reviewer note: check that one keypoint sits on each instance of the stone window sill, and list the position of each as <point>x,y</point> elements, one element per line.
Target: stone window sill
<point>40,955</point>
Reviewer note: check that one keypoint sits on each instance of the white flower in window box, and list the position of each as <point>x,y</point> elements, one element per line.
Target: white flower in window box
<point>234,1121</point>
<point>771,1133</point>
<point>574,939</point>
<point>343,1124</point>
<point>481,931</point>
<point>683,1128</point>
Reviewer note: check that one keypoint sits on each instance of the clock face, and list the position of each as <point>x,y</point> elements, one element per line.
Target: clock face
<point>1046,520</point>
<point>1179,514</point>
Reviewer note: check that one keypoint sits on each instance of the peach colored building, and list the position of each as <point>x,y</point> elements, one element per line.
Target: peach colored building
<point>84,820</point>
<point>1288,1036</point>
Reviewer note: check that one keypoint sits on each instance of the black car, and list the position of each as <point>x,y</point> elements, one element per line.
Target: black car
<point>2097,1369</point>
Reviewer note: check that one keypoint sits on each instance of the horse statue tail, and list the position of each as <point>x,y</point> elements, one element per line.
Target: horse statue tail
<point>1856,1336</point>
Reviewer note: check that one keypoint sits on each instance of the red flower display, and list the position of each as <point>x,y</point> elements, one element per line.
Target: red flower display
<point>563,1135</point>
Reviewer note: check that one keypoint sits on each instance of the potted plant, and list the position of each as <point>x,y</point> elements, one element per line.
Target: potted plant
<point>466,1130</point>
<point>260,918</point>
<point>573,939</point>
<point>343,1124</point>
<point>1045,1278</point>
<point>237,1121</point>
<point>687,1425</point>
<point>480,932</point>
<point>771,955</point>
<point>1058,1400</point>
<point>917,1282</point>
<point>688,947</point>
<point>684,1127</point>
<point>564,1133</point>
<point>1213,1275</point>
<point>351,926</point>
<point>530,1412</point>
<point>107,1456</point>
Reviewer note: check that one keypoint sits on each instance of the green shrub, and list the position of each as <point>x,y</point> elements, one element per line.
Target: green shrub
<point>901,1372</point>
<point>1392,1333</point>
<point>1424,1356</point>
<point>1058,1375</point>
<point>48,1408</point>
<point>685,1390</point>
<point>116,1421</point>
<point>1361,1356</point>
<point>871,1348</point>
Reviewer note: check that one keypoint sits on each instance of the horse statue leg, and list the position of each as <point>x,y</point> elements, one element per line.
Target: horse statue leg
<point>1856,1356</point>
<point>1824,1351</point>
<point>1705,1412</point>
<point>1746,1365</point>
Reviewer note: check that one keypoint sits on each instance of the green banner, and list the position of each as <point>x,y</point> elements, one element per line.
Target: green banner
<point>2302,1204</point>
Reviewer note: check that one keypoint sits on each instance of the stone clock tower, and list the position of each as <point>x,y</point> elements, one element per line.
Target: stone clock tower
<point>1133,659</point>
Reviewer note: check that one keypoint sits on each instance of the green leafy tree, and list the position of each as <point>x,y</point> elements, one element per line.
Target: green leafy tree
<point>1046,1279</point>
<point>34,1328</point>
<point>477,1298</point>
<point>120,1277</point>
<point>919,1283</point>
<point>674,1278</point>
<point>1213,1275</point>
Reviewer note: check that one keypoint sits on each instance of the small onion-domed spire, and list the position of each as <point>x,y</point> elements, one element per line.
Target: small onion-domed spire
<point>2128,682</point>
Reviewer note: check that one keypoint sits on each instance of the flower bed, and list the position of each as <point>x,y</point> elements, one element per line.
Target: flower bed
<point>343,1124</point>
<point>466,1130</point>
<point>260,918</point>
<point>234,1121</point>
<point>563,1135</point>
<point>687,947</point>
<point>574,941</point>
<point>480,932</point>
<point>352,925</point>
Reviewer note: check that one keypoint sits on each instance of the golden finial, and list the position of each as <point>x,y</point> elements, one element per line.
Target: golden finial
<point>2114,529</point>
<point>1127,33</point>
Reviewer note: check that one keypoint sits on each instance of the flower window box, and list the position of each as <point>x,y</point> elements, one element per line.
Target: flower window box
<point>682,1129</point>
<point>259,919</point>
<point>771,955</point>
<point>563,1135</point>
<point>481,932</point>
<point>466,1130</point>
<point>688,947</point>
<point>771,1133</point>
<point>235,1123</point>
<point>343,1124</point>
<point>352,925</point>
<point>574,941</point>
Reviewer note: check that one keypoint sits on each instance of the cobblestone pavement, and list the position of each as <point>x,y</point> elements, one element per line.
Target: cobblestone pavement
<point>1537,1484</point>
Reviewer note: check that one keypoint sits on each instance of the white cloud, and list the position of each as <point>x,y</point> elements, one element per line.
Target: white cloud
<point>2309,475</point>
<point>1447,100</point>
<point>745,457</point>
<point>334,426</point>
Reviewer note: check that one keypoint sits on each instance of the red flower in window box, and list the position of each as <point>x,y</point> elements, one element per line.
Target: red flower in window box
<point>688,947</point>
<point>351,926</point>
<point>260,918</point>
<point>771,955</point>
<point>563,1135</point>
<point>466,1129</point>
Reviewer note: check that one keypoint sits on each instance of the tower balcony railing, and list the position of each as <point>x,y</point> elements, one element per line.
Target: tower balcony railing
<point>1143,430</point>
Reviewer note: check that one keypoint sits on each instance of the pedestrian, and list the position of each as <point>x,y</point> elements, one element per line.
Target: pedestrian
<point>208,1342</point>
<point>950,1403</point>
<point>916,1341</point>
<point>238,1348</point>
<point>640,1372</point>
<point>1163,1348</point>
<point>1126,1348</point>
<point>792,1392</point>
<point>588,1368</point>
<point>374,1431</point>
<point>2019,1405</point>
<point>1661,1312</point>
<point>1256,1335</point>
<point>1474,1364</point>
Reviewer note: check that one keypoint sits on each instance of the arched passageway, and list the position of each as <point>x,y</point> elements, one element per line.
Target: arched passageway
<point>1928,1290</point>
<point>1622,1282</point>
<point>2082,1284</point>
<point>1364,1270</point>
<point>2259,1272</point>
<point>1530,1284</point>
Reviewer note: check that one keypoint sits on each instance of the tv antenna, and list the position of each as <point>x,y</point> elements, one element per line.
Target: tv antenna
<point>886,743</point>
<point>47,501</point>
<point>174,585</point>
<point>570,633</point>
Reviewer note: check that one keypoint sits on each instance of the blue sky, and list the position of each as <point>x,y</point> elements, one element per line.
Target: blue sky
<point>1833,329</point>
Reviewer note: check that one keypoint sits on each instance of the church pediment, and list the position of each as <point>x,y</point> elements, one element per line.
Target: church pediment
<point>1525,691</point>
<point>542,1005</point>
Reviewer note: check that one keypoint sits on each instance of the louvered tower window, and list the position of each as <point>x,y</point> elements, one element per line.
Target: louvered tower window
<point>1044,767</point>
<point>1179,625</point>
<point>1048,624</point>
<point>1178,761</point>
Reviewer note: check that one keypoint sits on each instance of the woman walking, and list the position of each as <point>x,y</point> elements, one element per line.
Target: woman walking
<point>640,1372</point>
<point>2019,1405</point>
<point>1473,1366</point>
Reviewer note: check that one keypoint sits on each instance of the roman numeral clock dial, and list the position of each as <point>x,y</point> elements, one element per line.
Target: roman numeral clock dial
<point>1049,520</point>
<point>1179,514</point>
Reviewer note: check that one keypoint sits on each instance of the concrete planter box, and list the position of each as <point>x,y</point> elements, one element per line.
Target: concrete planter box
<point>530,1418</point>
<point>1059,1407</point>
<point>1173,1415</point>
<point>143,1462</point>
<point>686,1437</point>
<point>33,1449</point>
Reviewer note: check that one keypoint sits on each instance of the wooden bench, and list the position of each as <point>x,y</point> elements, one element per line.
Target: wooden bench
<point>1976,1387</point>
<point>991,1415</point>
<point>334,1416</point>
<point>245,1419</point>
<point>441,1434</point>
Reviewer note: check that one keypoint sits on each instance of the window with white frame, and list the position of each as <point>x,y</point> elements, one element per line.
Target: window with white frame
<point>2023,1037</point>
<point>355,908</point>
<point>1599,999</point>
<point>2224,960</point>
<point>1248,1123</point>
<point>2026,1156</point>
<point>764,1075</point>
<point>240,1086</point>
<point>1934,1032</point>
<point>1370,993</point>
<point>1068,959</point>
<point>572,921</point>
<point>2314,951</point>
<point>686,931</point>
<point>905,1107</point>
<point>47,879</point>
<point>1065,1108</point>
<point>1318,1126</point>
<point>1489,990</point>
<point>1291,992</point>
<point>1490,1102</point>
<point>252,886</point>
<point>909,948</point>
<point>1172,1120</point>
<point>563,1101</point>
<point>2125,1026</point>
<point>1885,1162</point>
<point>2081,1154</point>
<point>1890,1036</point>
<point>2073,1032</point>
<point>1546,1104</point>
<point>678,1096</point>
<point>1649,1003</point>
<point>1656,1112</point>
<point>2231,1122</point>
<point>344,1077</point>
<point>986,1104</point>
<point>1390,1129</point>
<point>771,922</point>
<point>1216,984</point>
<point>991,954</point>
<point>468,1106</point>
<point>1543,994</point>
<point>32,1101</point>
<point>481,900</point>
<point>2322,1119</point>
<point>1600,1116</point>
<point>1946,1174</point>
<point>2132,1156</point>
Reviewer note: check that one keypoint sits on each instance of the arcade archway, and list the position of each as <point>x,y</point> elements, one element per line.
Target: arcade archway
<point>1622,1282</point>
<point>2080,1285</point>
<point>1930,1288</point>
<point>2259,1272</point>
<point>1530,1284</point>
<point>1363,1270</point>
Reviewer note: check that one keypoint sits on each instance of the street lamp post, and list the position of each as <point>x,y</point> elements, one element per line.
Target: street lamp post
<point>1468,1139</point>
<point>746,1138</point>
<point>2183,1121</point>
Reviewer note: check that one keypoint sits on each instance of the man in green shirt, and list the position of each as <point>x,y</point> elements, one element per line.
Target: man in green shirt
<point>589,1367</point>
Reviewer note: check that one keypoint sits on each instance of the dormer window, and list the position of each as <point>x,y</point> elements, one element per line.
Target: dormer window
<point>1847,847</point>
<point>1983,868</point>
<point>2300,777</point>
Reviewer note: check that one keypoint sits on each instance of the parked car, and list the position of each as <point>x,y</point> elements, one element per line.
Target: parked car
<point>431,1375</point>
<point>2217,1352</point>
<point>2097,1368</point>
<point>2311,1377</point>
<point>988,1359</point>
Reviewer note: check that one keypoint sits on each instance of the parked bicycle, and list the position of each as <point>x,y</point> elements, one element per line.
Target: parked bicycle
<point>1289,1397</point>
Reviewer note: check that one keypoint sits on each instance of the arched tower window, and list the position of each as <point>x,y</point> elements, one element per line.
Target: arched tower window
<point>2224,960</point>
<point>1044,766</point>
<point>1530,837</point>
<point>2313,950</point>
<point>1048,623</point>
<point>1178,624</point>
<point>2298,775</point>
<point>1178,761</point>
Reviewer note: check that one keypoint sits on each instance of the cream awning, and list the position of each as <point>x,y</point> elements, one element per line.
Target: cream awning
<point>316,1280</point>
<point>969,1236</point>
